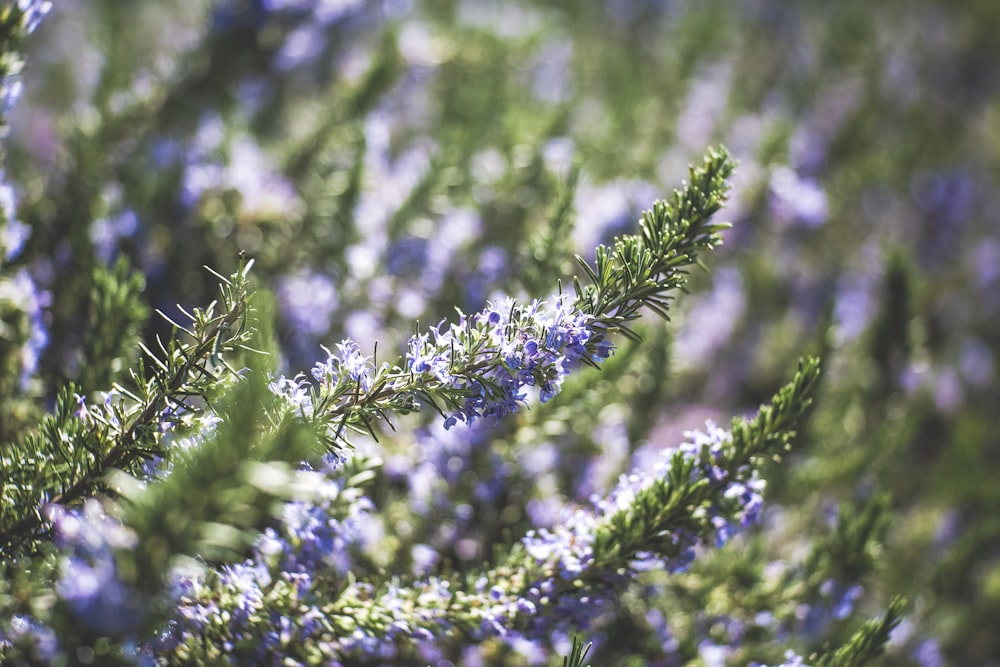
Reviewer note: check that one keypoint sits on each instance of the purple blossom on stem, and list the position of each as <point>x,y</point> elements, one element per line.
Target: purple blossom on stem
<point>516,347</point>
<point>347,362</point>
<point>576,580</point>
<point>483,365</point>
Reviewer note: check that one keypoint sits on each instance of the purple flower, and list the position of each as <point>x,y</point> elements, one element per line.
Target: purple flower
<point>797,200</point>
<point>11,85</point>
<point>928,653</point>
<point>106,233</point>
<point>711,321</point>
<point>347,362</point>
<point>572,590</point>
<point>34,12</point>
<point>13,233</point>
<point>518,347</point>
<point>89,581</point>
<point>21,291</point>
<point>296,392</point>
<point>42,642</point>
<point>407,256</point>
<point>791,660</point>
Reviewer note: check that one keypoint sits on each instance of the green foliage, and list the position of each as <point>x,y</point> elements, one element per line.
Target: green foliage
<point>850,97</point>
<point>676,504</point>
<point>114,323</point>
<point>79,443</point>
<point>868,643</point>
<point>642,270</point>
<point>577,654</point>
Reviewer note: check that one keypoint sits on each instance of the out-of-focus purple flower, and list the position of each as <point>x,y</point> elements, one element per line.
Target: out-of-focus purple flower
<point>928,653</point>
<point>324,11</point>
<point>34,12</point>
<point>611,438</point>
<point>265,191</point>
<point>458,228</point>
<point>791,660</point>
<point>948,200</point>
<point>567,548</point>
<point>418,46</point>
<point>712,654</point>
<point>976,363</point>
<point>551,73</point>
<point>42,642</point>
<point>817,127</point>
<point>106,233</point>
<point>835,602</point>
<point>317,538</point>
<point>657,622</point>
<point>986,262</point>
<point>511,21</point>
<point>796,199</point>
<point>389,180</point>
<point>308,301</point>
<point>24,295</point>
<point>558,155</point>
<point>948,390</point>
<point>89,581</point>
<point>13,232</point>
<point>301,46</point>
<point>608,209</point>
<point>949,528</point>
<point>407,256</point>
<point>11,87</point>
<point>854,306</point>
<point>424,558</point>
<point>845,601</point>
<point>490,267</point>
<point>711,321</point>
<point>240,165</point>
<point>704,106</point>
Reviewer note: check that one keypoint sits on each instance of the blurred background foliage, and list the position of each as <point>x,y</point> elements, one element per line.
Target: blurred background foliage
<point>385,161</point>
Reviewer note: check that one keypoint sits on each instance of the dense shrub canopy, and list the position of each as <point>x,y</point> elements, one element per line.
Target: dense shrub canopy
<point>386,332</point>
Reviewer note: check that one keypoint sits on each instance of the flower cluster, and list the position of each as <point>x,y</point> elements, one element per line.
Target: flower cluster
<point>369,566</point>
<point>35,638</point>
<point>566,552</point>
<point>482,366</point>
<point>22,301</point>
<point>312,548</point>
<point>32,13</point>
<point>299,587</point>
<point>517,348</point>
<point>90,582</point>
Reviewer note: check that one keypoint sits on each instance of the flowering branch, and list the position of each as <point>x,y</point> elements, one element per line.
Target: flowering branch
<point>308,571</point>
<point>483,364</point>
